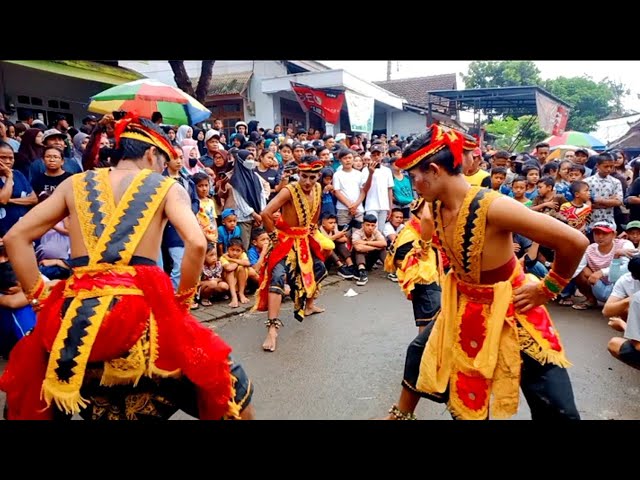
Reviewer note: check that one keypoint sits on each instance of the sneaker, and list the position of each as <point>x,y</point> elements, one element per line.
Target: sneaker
<point>362,278</point>
<point>393,277</point>
<point>354,271</point>
<point>345,272</point>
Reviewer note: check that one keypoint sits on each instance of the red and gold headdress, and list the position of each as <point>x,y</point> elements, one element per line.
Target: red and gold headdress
<point>143,130</point>
<point>440,138</point>
<point>313,167</point>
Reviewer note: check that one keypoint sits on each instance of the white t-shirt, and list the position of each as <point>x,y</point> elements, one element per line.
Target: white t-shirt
<point>350,184</point>
<point>625,287</point>
<point>389,230</point>
<point>378,194</point>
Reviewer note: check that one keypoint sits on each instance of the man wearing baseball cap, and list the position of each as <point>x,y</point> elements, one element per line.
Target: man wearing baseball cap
<point>212,143</point>
<point>632,230</point>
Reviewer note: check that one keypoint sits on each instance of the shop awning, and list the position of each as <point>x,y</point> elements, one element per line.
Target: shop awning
<point>83,69</point>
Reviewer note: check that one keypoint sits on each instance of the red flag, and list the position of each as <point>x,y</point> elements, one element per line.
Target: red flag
<point>560,121</point>
<point>324,102</point>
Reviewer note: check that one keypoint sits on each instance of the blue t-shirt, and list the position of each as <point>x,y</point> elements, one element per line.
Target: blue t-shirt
<point>328,204</point>
<point>11,213</point>
<point>224,236</point>
<point>402,191</point>
<point>253,254</point>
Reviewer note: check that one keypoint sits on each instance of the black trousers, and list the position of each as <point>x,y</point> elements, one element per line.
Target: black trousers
<point>546,388</point>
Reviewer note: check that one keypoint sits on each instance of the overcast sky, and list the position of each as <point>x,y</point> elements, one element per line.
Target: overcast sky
<point>627,72</point>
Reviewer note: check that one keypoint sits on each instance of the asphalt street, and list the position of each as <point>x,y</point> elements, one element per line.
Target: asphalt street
<point>347,363</point>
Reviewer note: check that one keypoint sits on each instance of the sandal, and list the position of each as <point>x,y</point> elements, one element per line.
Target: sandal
<point>205,302</point>
<point>583,306</point>
<point>565,302</point>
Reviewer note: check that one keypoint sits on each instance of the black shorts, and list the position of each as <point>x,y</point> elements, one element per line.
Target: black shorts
<point>426,300</point>
<point>151,399</point>
<point>412,365</point>
<point>629,355</point>
<point>281,274</point>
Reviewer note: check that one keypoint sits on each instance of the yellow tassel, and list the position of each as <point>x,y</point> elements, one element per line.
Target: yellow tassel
<point>70,402</point>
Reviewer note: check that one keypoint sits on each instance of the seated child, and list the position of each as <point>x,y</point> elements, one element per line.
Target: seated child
<point>235,264</point>
<point>257,252</point>
<point>228,230</point>
<point>211,282</point>
<point>341,254</point>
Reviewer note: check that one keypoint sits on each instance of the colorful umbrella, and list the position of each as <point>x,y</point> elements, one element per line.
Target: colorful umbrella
<point>577,139</point>
<point>558,151</point>
<point>146,96</point>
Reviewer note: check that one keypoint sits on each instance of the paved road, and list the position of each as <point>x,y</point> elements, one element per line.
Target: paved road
<point>348,362</point>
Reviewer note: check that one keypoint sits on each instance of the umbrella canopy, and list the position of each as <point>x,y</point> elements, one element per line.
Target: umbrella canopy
<point>577,139</point>
<point>146,96</point>
<point>557,152</point>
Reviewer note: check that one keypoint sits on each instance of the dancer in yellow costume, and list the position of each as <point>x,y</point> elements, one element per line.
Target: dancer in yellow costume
<point>297,251</point>
<point>112,341</point>
<point>493,334</point>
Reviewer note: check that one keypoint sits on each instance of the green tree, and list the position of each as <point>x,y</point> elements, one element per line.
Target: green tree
<point>619,91</point>
<point>590,101</point>
<point>516,134</point>
<point>501,74</point>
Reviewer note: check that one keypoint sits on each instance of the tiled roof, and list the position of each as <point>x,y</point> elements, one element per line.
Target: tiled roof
<point>227,84</point>
<point>414,90</point>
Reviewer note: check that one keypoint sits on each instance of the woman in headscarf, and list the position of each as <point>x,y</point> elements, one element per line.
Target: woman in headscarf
<point>184,132</point>
<point>198,134</point>
<point>80,142</point>
<point>192,163</point>
<point>31,149</point>
<point>245,195</point>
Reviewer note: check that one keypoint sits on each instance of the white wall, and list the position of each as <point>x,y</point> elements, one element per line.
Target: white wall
<point>19,80</point>
<point>267,106</point>
<point>406,123</point>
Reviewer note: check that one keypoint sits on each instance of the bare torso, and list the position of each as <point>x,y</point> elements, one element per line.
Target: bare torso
<point>498,243</point>
<point>289,214</point>
<point>119,180</point>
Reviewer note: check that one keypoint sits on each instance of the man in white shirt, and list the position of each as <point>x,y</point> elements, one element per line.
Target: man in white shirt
<point>617,304</point>
<point>350,188</point>
<point>380,196</point>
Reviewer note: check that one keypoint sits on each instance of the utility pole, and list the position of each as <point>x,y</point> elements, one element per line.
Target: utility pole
<point>388,70</point>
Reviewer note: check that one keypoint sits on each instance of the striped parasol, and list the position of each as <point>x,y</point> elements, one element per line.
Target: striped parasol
<point>146,96</point>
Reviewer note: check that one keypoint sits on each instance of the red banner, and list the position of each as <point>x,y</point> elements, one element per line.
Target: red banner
<point>324,102</point>
<point>560,122</point>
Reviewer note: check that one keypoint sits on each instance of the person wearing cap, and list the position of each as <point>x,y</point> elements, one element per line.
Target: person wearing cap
<point>114,332</point>
<point>599,262</point>
<point>296,256</point>
<point>213,145</point>
<point>617,305</point>
<point>632,230</point>
<point>464,366</point>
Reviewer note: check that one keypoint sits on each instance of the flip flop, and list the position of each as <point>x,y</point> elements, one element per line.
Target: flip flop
<point>583,306</point>
<point>205,302</point>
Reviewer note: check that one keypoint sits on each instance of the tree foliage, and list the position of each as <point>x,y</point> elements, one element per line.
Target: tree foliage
<point>590,101</point>
<point>516,134</point>
<point>501,74</point>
